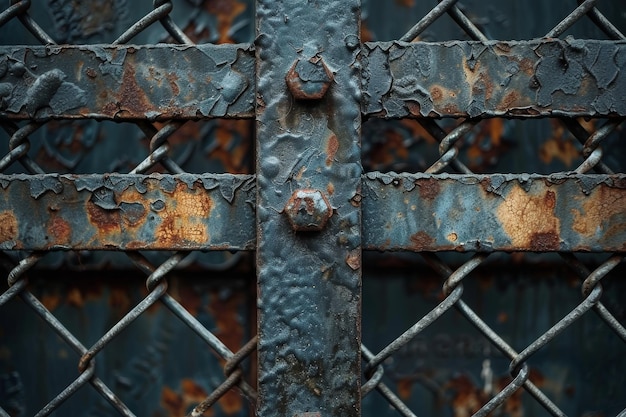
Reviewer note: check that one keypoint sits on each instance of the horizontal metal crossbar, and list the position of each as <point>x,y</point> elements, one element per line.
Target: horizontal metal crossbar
<point>537,78</point>
<point>401,212</point>
<point>453,79</point>
<point>560,212</point>
<point>155,82</point>
<point>100,212</point>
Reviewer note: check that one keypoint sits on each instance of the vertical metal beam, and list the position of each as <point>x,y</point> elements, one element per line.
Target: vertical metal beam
<point>308,255</point>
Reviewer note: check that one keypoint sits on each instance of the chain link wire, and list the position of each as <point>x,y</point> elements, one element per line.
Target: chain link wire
<point>156,283</point>
<point>159,149</point>
<point>591,287</point>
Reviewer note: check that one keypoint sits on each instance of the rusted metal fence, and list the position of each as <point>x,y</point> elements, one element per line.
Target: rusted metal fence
<point>307,128</point>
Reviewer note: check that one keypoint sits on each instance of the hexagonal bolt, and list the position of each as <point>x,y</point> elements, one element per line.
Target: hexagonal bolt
<point>309,79</point>
<point>308,210</point>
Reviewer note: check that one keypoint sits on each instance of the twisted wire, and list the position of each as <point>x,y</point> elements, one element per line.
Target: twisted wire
<point>580,133</point>
<point>32,26</point>
<point>17,281</point>
<point>604,24</point>
<point>231,368</point>
<point>19,145</point>
<point>592,150</point>
<point>448,152</point>
<point>572,18</point>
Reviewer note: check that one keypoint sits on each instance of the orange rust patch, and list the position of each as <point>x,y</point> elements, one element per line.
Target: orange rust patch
<point>172,79</point>
<point>60,231</point>
<point>131,97</point>
<point>354,260</point>
<point>527,65</point>
<point>182,218</point>
<point>226,11</point>
<point>332,146</point>
<point>172,402</point>
<point>404,388</point>
<point>8,226</point>
<point>330,188</point>
<point>559,148</point>
<point>509,100</point>
<point>436,93</point>
<point>105,221</point>
<point>75,297</point>
<point>421,240</point>
<point>230,331</point>
<point>452,237</point>
<point>51,300</point>
<point>178,404</point>
<point>598,210</point>
<point>529,220</point>
<point>428,188</point>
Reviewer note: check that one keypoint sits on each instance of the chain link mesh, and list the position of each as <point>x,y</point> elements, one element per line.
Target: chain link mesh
<point>159,158</point>
<point>453,285</point>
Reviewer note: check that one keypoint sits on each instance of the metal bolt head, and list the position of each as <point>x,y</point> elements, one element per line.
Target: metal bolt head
<point>308,210</point>
<point>309,79</point>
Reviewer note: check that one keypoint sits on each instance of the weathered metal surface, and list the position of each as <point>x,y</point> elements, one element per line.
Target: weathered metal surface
<point>127,212</point>
<point>154,82</point>
<point>309,282</point>
<point>560,212</point>
<point>568,77</point>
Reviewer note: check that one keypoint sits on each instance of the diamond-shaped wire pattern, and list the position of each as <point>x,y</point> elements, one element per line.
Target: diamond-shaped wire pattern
<point>158,159</point>
<point>450,138</point>
<point>450,144</point>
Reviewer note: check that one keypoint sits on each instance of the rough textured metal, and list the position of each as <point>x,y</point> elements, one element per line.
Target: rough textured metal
<point>560,212</point>
<point>568,77</point>
<point>309,284</point>
<point>127,212</point>
<point>154,82</point>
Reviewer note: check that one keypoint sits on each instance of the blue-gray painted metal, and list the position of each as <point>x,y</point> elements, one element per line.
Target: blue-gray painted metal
<point>156,82</point>
<point>309,285</point>
<point>551,77</point>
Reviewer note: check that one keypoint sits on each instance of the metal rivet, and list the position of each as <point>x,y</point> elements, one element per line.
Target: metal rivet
<point>308,210</point>
<point>309,79</point>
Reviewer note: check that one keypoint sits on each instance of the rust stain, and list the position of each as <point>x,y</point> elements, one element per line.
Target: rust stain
<point>421,240</point>
<point>353,259</point>
<point>435,93</point>
<point>332,146</point>
<point>130,96</point>
<point>527,65</point>
<point>172,78</point>
<point>529,219</point>
<point>604,208</point>
<point>105,221</point>
<point>51,300</point>
<point>428,188</point>
<point>178,403</point>
<point>226,11</point>
<point>8,226</point>
<point>74,297</point>
<point>404,388</point>
<point>559,146</point>
<point>60,230</point>
<point>406,3</point>
<point>330,188</point>
<point>225,312</point>
<point>452,237</point>
<point>467,398</point>
<point>509,100</point>
<point>391,151</point>
<point>183,215</point>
